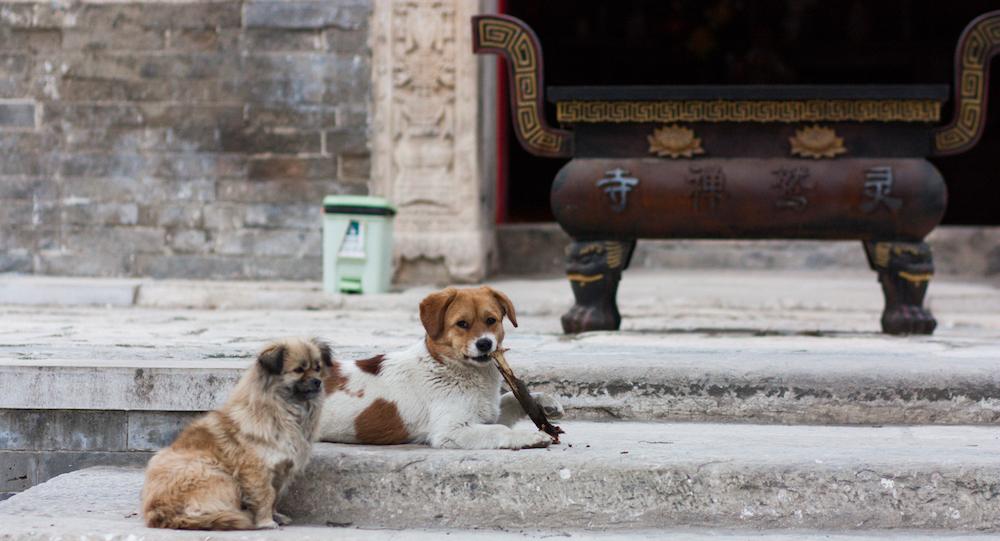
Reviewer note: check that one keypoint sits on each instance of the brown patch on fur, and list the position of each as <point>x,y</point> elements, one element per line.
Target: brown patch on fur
<point>334,380</point>
<point>380,424</point>
<point>212,477</point>
<point>373,365</point>
<point>196,438</point>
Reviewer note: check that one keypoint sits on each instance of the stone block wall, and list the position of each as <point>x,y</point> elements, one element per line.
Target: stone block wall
<point>183,139</point>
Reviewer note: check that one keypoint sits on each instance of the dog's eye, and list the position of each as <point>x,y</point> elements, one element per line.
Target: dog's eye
<point>463,324</point>
<point>491,320</point>
<point>300,370</point>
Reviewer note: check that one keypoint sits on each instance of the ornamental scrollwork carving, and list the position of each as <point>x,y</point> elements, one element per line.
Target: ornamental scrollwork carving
<point>516,42</point>
<point>979,42</point>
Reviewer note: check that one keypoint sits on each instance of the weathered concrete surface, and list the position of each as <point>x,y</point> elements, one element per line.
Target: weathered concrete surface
<point>31,290</point>
<point>622,476</point>
<point>23,469</point>
<point>781,379</point>
<point>109,429</point>
<point>651,475</point>
<point>801,379</point>
<point>101,504</point>
<point>539,248</point>
<point>713,346</point>
<point>776,298</point>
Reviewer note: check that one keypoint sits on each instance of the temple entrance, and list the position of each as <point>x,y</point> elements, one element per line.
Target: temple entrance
<point>593,42</point>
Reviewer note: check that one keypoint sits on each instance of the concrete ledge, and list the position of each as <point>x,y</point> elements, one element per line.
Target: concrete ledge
<point>20,470</point>
<point>640,475</point>
<point>640,292</point>
<point>623,476</point>
<point>539,248</point>
<point>36,445</point>
<point>43,291</point>
<point>101,504</point>
<point>633,376</point>
<point>117,385</point>
<point>89,430</point>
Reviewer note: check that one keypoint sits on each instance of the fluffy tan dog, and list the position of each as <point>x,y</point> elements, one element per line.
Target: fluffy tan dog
<point>226,470</point>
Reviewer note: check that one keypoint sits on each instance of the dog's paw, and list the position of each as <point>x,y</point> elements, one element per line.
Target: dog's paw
<point>281,519</point>
<point>266,524</point>
<point>550,406</point>
<point>529,439</point>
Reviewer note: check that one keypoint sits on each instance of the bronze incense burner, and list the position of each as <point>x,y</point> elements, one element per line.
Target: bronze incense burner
<point>751,162</point>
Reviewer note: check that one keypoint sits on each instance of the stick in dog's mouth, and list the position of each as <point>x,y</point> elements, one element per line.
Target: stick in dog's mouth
<point>534,411</point>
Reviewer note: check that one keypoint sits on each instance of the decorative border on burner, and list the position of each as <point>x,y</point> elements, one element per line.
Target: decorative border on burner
<point>749,111</point>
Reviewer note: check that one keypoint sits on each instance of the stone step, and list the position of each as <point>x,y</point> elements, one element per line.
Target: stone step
<point>61,415</point>
<point>101,504</point>
<point>84,386</point>
<point>656,475</point>
<point>623,477</point>
<point>846,379</point>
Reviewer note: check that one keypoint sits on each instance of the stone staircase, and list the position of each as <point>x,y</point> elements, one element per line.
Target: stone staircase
<point>771,415</point>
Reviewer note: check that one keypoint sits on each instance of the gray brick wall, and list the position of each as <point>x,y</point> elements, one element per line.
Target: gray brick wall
<point>178,139</point>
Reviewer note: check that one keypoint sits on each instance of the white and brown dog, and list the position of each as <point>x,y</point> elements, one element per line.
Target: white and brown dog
<point>443,391</point>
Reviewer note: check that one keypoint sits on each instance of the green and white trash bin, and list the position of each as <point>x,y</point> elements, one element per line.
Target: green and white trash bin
<point>357,244</point>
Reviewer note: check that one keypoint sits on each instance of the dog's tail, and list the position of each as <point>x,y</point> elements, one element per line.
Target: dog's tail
<point>216,520</point>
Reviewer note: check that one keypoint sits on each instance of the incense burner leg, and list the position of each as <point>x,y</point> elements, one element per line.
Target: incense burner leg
<point>904,270</point>
<point>594,269</point>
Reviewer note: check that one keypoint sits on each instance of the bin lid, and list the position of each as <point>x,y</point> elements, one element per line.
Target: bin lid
<point>357,204</point>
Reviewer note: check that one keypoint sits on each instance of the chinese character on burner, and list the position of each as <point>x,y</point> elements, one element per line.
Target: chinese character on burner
<point>709,186</point>
<point>878,186</point>
<point>793,184</point>
<point>617,186</point>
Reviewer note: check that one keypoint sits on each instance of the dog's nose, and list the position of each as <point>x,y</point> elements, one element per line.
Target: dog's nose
<point>314,384</point>
<point>484,344</point>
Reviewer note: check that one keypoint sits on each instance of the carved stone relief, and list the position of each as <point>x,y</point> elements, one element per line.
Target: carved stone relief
<point>429,145</point>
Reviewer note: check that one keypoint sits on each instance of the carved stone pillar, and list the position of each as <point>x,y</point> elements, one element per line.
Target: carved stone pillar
<point>433,137</point>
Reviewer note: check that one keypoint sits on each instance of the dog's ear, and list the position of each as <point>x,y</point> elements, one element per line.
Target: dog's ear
<point>272,358</point>
<point>433,308</point>
<point>324,352</point>
<point>504,300</point>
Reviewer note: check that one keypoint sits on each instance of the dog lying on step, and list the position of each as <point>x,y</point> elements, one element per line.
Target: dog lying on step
<point>443,391</point>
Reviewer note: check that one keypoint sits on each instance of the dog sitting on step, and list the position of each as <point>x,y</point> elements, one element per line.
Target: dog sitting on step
<point>443,391</point>
<point>227,469</point>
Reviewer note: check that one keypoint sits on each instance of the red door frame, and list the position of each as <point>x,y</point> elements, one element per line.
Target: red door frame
<point>502,111</point>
